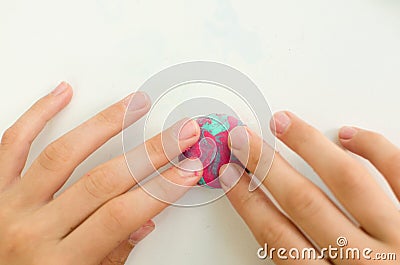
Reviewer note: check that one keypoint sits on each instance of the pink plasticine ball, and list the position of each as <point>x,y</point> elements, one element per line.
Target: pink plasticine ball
<point>212,147</point>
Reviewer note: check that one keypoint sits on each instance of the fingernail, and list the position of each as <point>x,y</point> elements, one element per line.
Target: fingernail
<point>229,176</point>
<point>346,133</point>
<point>187,130</point>
<point>137,101</point>
<point>280,122</point>
<point>190,167</point>
<point>60,88</point>
<point>238,138</point>
<point>141,233</point>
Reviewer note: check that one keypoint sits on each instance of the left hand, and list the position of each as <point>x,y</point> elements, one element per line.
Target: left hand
<point>98,219</point>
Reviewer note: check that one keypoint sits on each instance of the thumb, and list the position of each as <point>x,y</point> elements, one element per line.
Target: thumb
<point>120,254</point>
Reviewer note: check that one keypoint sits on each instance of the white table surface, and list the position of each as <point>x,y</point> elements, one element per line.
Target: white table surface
<point>331,62</point>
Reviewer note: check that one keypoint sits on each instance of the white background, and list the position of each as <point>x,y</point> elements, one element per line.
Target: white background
<point>331,62</point>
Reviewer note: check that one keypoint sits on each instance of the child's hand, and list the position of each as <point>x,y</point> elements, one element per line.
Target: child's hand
<point>307,207</point>
<point>94,220</point>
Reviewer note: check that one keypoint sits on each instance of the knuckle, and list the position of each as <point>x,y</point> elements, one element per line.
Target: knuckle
<point>393,162</point>
<point>352,183</point>
<point>16,236</point>
<point>304,202</point>
<point>245,201</point>
<point>116,215</point>
<point>155,147</point>
<point>39,107</point>
<point>11,135</point>
<point>167,188</point>
<point>109,260</point>
<point>394,158</point>
<point>55,155</point>
<point>347,166</point>
<point>274,235</point>
<point>111,118</point>
<point>350,176</point>
<point>101,183</point>
<point>21,233</point>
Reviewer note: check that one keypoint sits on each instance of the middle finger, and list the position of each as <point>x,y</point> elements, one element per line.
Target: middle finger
<point>114,177</point>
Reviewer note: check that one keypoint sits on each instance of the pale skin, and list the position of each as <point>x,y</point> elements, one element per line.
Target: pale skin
<point>306,205</point>
<point>99,219</point>
<point>96,220</point>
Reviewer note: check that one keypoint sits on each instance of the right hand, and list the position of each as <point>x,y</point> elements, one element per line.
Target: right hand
<point>312,221</point>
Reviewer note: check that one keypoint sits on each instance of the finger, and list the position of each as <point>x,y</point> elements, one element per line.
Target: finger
<point>115,177</point>
<point>16,140</point>
<point>350,182</point>
<point>58,160</point>
<point>267,223</point>
<point>305,203</point>
<point>141,233</point>
<point>102,231</point>
<point>384,155</point>
<point>120,254</point>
